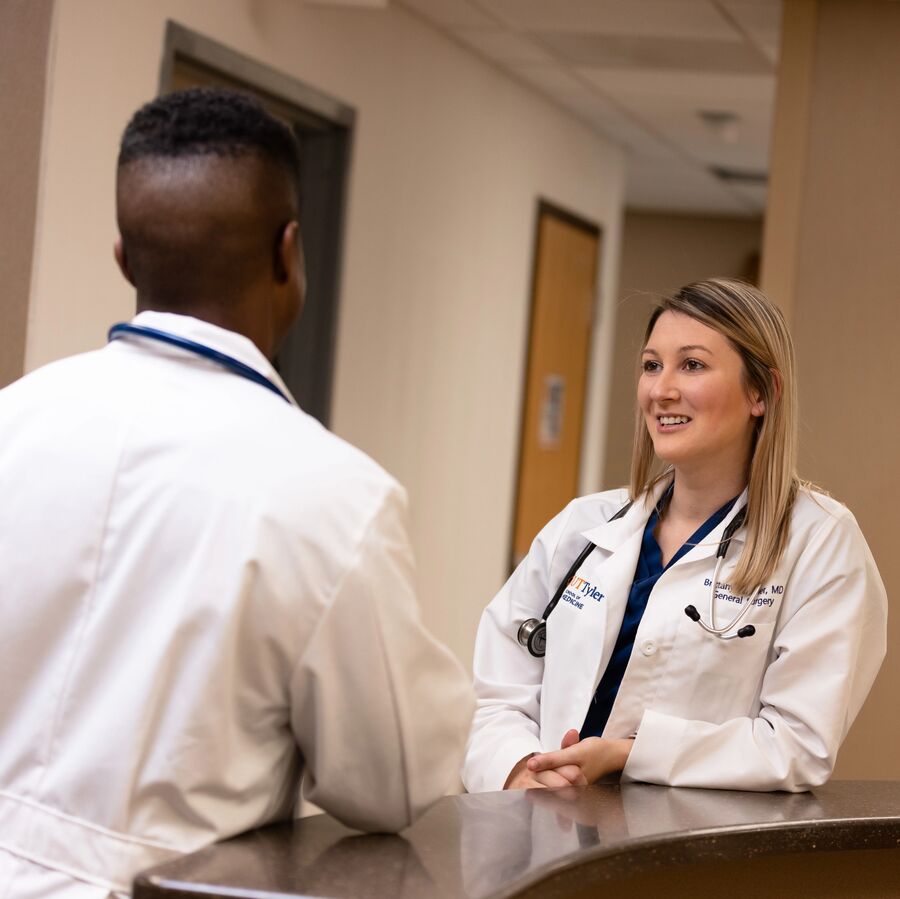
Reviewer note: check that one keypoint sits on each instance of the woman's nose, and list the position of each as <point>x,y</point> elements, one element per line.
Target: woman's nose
<point>665,386</point>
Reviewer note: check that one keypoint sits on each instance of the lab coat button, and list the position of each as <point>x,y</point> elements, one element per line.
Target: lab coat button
<point>648,647</point>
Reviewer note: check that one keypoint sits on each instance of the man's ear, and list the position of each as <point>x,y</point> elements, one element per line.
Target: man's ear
<point>290,282</point>
<point>122,260</point>
<point>290,264</point>
<point>289,261</point>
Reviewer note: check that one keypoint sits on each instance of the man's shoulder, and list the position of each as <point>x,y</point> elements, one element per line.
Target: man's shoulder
<point>53,374</point>
<point>59,387</point>
<point>310,468</point>
<point>308,445</point>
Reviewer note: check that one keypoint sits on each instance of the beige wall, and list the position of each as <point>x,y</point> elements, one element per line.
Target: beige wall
<point>660,253</point>
<point>24,39</point>
<point>450,157</point>
<point>843,286</point>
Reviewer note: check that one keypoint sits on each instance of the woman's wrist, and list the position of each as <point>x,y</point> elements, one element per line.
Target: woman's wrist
<point>517,769</point>
<point>610,757</point>
<point>622,750</point>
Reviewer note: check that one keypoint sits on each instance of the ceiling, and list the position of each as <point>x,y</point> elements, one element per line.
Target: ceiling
<point>685,86</point>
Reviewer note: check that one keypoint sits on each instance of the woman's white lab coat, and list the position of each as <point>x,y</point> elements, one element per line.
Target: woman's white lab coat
<point>766,712</point>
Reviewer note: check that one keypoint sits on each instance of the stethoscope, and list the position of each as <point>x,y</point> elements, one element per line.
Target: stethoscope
<point>198,349</point>
<point>748,630</point>
<point>532,634</point>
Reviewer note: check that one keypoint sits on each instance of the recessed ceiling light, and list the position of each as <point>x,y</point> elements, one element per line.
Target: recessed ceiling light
<point>739,176</point>
<point>723,123</point>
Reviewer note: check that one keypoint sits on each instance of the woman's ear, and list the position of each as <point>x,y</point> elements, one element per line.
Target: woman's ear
<point>758,404</point>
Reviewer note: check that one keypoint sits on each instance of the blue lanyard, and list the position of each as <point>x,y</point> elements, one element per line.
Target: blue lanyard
<point>199,349</point>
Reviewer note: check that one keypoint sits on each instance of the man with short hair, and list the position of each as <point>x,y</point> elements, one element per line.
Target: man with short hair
<point>204,592</point>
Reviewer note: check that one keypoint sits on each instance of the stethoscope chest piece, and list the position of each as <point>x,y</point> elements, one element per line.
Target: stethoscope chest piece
<point>533,636</point>
<point>532,633</point>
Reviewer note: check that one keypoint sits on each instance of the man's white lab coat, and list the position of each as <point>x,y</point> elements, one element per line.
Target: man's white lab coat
<point>204,592</point>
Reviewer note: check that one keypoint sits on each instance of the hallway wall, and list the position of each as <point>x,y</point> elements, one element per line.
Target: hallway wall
<point>24,40</point>
<point>831,260</point>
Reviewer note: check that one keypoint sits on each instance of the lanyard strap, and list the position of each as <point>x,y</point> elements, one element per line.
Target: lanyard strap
<point>199,349</point>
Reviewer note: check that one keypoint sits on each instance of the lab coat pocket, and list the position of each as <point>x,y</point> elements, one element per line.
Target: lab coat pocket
<point>727,674</point>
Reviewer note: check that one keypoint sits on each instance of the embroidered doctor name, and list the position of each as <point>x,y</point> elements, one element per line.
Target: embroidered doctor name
<point>765,597</point>
<point>578,585</point>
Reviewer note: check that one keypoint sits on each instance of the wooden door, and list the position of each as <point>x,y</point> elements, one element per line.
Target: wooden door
<point>562,304</point>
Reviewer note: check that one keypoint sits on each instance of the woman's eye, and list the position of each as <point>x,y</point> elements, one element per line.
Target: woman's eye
<point>650,365</point>
<point>693,364</point>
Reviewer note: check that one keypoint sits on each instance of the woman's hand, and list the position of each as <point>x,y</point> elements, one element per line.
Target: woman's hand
<point>567,775</point>
<point>594,757</point>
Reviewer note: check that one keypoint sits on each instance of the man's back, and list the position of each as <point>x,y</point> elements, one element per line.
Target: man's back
<point>198,579</point>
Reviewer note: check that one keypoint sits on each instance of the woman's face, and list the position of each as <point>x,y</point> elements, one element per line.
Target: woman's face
<point>692,394</point>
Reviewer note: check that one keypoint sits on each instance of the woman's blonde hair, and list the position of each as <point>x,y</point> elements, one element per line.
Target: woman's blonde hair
<point>756,328</point>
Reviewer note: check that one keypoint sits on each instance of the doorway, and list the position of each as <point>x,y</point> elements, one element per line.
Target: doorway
<point>564,287</point>
<point>324,129</point>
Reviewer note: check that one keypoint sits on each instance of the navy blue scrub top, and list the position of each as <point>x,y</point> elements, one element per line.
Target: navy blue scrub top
<point>648,572</point>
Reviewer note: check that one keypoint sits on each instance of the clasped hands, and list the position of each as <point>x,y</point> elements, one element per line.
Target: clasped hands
<point>576,763</point>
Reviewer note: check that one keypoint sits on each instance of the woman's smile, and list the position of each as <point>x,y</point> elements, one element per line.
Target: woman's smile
<point>672,422</point>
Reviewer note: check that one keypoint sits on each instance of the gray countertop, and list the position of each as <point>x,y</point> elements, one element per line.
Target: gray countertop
<point>494,845</point>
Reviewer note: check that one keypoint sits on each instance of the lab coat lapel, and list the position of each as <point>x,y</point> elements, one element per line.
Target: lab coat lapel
<point>615,577</point>
<point>620,541</point>
<point>580,644</point>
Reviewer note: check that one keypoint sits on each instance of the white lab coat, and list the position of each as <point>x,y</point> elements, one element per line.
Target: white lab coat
<point>766,712</point>
<point>204,592</point>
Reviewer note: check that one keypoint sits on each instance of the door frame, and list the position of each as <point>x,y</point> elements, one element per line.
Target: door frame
<point>181,41</point>
<point>546,206</point>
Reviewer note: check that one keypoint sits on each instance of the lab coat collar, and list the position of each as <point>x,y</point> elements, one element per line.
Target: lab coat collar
<point>610,535</point>
<point>229,342</point>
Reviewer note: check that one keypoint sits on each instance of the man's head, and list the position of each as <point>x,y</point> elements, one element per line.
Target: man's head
<point>207,196</point>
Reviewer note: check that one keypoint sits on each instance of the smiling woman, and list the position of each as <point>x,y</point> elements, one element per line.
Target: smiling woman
<point>741,619</point>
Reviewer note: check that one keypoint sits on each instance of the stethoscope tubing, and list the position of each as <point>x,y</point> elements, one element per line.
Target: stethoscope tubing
<point>712,628</point>
<point>198,349</point>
